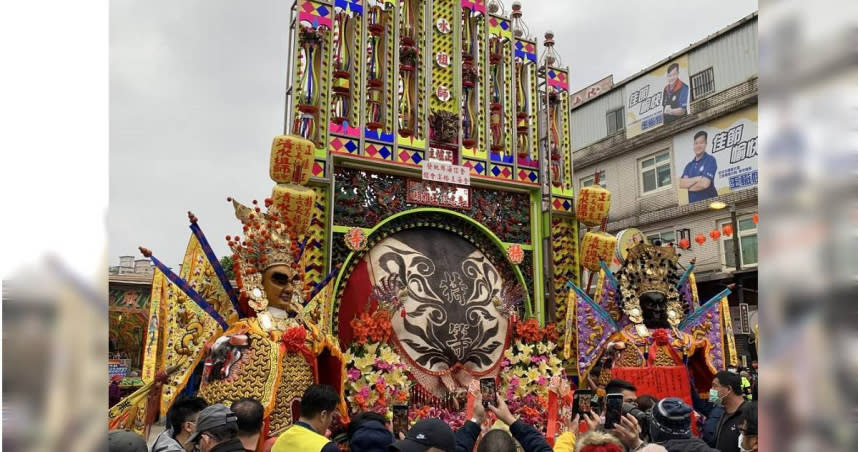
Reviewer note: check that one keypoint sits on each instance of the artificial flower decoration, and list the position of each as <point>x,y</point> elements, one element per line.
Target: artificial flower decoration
<point>376,378</point>
<point>529,365</point>
<point>661,337</point>
<point>294,338</point>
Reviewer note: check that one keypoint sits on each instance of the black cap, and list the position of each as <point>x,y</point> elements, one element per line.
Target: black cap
<point>213,416</point>
<point>671,419</point>
<point>125,441</point>
<point>427,433</point>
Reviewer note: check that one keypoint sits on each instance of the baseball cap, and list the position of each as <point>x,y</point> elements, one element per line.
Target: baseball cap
<point>125,441</point>
<point>210,417</point>
<point>426,433</point>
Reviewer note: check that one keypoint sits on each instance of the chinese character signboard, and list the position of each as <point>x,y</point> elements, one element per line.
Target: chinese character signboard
<point>444,155</point>
<point>592,91</point>
<point>438,195</point>
<point>659,97</point>
<point>717,158</point>
<point>438,171</point>
<point>661,382</point>
<point>744,319</point>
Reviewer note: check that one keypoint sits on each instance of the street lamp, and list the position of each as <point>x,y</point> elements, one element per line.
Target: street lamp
<point>737,259</point>
<point>718,205</point>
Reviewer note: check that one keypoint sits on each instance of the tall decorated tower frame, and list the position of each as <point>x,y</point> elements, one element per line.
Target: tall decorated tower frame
<point>433,247</point>
<point>389,91</point>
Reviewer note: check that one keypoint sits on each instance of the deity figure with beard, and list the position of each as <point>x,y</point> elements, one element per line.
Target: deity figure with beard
<point>651,311</point>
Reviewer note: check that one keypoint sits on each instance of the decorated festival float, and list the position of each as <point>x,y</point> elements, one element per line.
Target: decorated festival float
<point>421,234</point>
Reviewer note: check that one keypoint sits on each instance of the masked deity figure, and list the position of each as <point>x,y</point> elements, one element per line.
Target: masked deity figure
<point>646,315</point>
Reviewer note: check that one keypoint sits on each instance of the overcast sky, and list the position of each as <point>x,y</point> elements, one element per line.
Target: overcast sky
<point>197,94</point>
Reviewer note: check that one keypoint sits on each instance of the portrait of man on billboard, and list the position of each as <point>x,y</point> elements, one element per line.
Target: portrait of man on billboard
<point>675,96</point>
<point>699,174</point>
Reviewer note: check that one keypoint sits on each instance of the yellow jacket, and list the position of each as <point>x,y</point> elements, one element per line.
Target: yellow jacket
<point>301,438</point>
<point>565,442</point>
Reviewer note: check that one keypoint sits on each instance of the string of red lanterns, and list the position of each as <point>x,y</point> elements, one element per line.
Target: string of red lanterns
<point>715,234</point>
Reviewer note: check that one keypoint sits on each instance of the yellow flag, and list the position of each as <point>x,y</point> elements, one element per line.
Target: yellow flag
<point>200,274</point>
<point>728,332</point>
<point>130,411</point>
<point>152,345</point>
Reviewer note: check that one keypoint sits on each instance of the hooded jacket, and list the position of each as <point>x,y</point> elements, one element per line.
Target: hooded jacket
<point>166,443</point>
<point>371,436</point>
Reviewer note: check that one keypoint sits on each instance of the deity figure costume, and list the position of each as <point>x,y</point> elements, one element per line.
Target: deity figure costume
<point>277,353</point>
<point>647,315</point>
<point>269,339</point>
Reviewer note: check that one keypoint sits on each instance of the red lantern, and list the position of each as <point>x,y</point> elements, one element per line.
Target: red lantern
<point>715,234</point>
<point>728,230</point>
<point>700,239</point>
<point>755,218</point>
<point>684,244</point>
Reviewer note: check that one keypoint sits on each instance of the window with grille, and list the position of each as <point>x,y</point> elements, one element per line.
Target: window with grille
<point>702,83</point>
<point>655,172</point>
<point>615,121</point>
<point>747,243</point>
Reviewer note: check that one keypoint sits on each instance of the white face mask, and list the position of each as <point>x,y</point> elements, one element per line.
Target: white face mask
<point>742,439</point>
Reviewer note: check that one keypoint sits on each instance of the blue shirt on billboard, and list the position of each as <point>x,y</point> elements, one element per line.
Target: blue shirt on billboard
<point>707,166</point>
<point>675,96</point>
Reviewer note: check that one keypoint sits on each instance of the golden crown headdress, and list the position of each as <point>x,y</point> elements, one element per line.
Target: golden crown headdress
<point>267,242</point>
<point>650,268</point>
<point>270,236</point>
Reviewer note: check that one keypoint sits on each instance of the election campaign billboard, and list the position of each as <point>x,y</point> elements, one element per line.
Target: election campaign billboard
<point>717,158</point>
<point>657,98</point>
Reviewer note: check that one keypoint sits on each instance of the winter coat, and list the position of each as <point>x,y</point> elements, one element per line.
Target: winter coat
<point>529,438</point>
<point>371,436</point>
<point>687,445</point>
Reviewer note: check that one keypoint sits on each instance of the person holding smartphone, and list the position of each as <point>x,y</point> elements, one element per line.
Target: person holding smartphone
<point>626,432</point>
<point>498,440</point>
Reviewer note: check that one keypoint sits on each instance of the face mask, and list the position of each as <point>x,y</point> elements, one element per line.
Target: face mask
<point>741,439</point>
<point>714,397</point>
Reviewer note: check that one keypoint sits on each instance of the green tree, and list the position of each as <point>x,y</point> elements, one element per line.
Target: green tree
<point>226,263</point>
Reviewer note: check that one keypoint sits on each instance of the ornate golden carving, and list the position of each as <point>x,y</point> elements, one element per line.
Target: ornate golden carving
<point>297,376</point>
<point>254,375</point>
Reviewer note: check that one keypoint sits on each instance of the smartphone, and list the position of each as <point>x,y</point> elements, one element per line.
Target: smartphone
<point>613,410</point>
<point>581,401</point>
<point>489,391</point>
<point>400,420</point>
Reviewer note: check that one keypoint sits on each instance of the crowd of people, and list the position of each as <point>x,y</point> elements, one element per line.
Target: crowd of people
<point>726,422</point>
